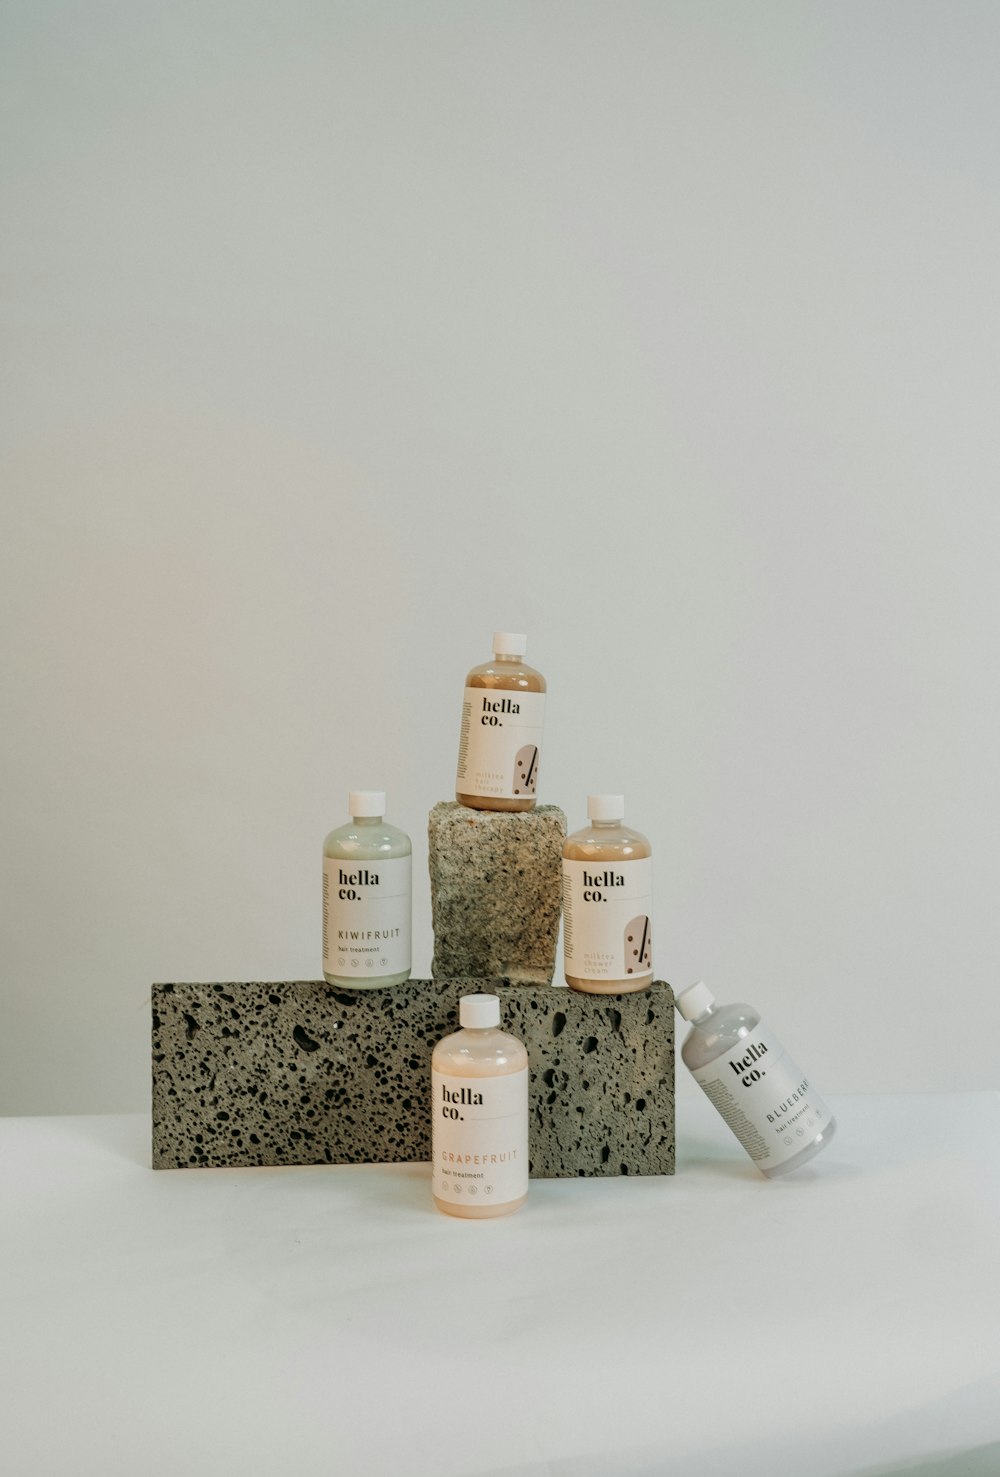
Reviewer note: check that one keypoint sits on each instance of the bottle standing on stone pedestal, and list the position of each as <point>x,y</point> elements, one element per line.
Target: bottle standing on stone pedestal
<point>748,1076</point>
<point>366,898</point>
<point>503,710</point>
<point>479,1115</point>
<point>607,903</point>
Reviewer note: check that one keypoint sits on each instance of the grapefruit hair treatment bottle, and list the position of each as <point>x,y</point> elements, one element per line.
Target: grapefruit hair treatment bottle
<point>745,1072</point>
<point>479,1115</point>
<point>366,898</point>
<point>607,903</point>
<point>503,710</point>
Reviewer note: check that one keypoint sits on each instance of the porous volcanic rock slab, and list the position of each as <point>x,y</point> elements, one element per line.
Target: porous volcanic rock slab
<point>496,892</point>
<point>307,1073</point>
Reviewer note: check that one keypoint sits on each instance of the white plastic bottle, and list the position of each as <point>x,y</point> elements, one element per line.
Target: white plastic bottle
<point>366,898</point>
<point>500,745</point>
<point>771,1107</point>
<point>607,903</point>
<point>479,1115</point>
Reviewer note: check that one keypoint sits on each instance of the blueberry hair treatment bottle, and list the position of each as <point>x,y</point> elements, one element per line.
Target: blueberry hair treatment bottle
<point>366,898</point>
<point>479,1115</point>
<point>745,1072</point>
<point>607,903</point>
<point>503,711</point>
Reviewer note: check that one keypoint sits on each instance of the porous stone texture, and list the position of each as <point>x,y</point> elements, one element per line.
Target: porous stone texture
<point>496,892</point>
<point>307,1073</point>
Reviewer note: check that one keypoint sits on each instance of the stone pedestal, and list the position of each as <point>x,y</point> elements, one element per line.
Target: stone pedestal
<point>496,892</point>
<point>307,1073</point>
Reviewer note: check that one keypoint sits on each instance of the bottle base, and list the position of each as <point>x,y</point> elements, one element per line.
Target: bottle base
<point>479,1212</point>
<point>494,802</point>
<point>381,983</point>
<point>629,986</point>
<point>804,1155</point>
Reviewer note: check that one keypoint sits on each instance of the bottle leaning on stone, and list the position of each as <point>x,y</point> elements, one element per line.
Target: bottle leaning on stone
<point>366,898</point>
<point>752,1082</point>
<point>503,712</point>
<point>607,903</point>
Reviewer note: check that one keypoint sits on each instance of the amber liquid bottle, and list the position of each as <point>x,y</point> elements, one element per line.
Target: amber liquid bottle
<point>607,903</point>
<point>503,711</point>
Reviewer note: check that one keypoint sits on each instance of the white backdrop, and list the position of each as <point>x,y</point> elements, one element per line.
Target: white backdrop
<point>336,335</point>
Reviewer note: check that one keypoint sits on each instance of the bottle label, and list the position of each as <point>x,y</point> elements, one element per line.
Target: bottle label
<point>366,917</point>
<point>500,742</point>
<point>480,1138</point>
<point>767,1102</point>
<point>607,913</point>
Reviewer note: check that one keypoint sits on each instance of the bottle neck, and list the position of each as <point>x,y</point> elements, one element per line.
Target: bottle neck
<point>608,825</point>
<point>696,1020</point>
<point>367,820</point>
<point>507,656</point>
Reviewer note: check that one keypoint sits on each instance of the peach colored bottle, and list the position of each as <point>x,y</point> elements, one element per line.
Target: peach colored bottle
<point>503,711</point>
<point>479,1118</point>
<point>607,903</point>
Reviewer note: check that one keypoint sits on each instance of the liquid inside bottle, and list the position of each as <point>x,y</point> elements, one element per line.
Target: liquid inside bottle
<point>607,903</point>
<point>479,1116</point>
<point>503,711</point>
<point>745,1072</point>
<point>366,898</point>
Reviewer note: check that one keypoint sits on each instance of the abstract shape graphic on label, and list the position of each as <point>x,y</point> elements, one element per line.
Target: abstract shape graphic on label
<point>526,770</point>
<point>638,945</point>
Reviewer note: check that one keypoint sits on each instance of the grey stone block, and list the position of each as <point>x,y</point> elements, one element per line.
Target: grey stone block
<point>496,892</point>
<point>306,1073</point>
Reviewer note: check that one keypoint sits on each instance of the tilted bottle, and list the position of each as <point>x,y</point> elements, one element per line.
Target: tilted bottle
<point>503,711</point>
<point>366,898</point>
<point>479,1115</point>
<point>747,1075</point>
<point>607,903</point>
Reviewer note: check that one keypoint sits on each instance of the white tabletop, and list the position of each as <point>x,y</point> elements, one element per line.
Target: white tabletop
<point>329,1320</point>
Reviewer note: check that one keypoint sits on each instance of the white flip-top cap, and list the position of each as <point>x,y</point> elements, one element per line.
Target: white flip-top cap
<point>605,807</point>
<point>479,1011</point>
<point>366,803</point>
<point>505,643</point>
<point>694,1001</point>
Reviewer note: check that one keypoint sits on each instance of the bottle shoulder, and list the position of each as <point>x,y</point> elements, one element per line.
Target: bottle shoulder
<point>506,677</point>
<point>724,1029</point>
<point>606,844</point>
<point>367,843</point>
<point>479,1053</point>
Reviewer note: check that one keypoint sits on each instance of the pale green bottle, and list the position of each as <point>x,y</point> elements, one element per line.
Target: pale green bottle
<point>367,868</point>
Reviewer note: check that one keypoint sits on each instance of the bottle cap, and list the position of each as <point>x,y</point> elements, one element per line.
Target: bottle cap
<point>694,1001</point>
<point>507,644</point>
<point>605,807</point>
<point>366,803</point>
<point>478,1011</point>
